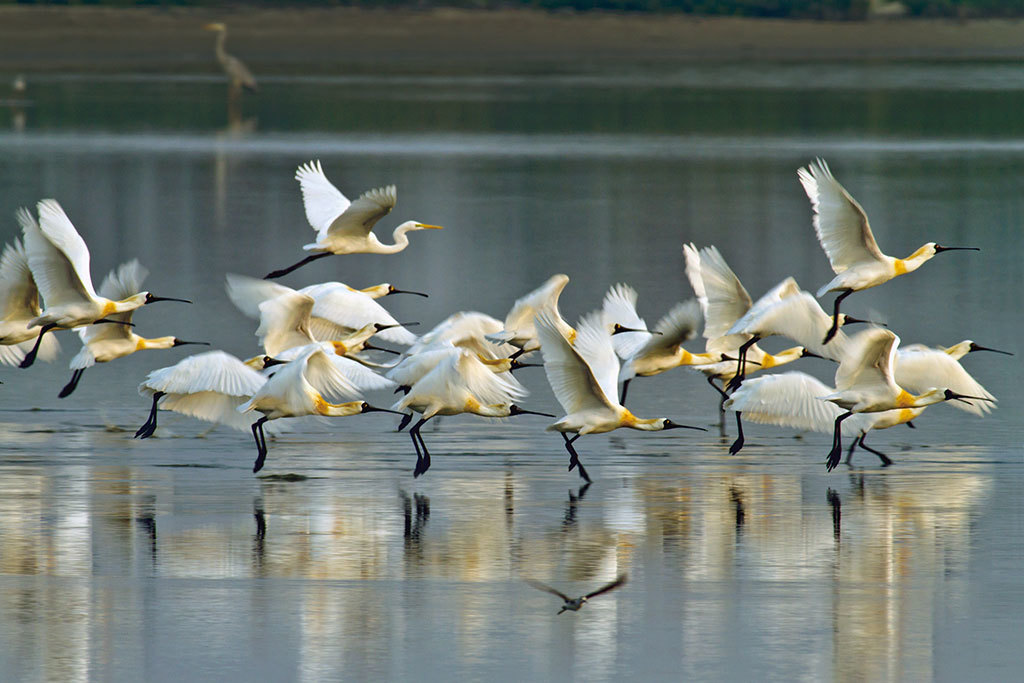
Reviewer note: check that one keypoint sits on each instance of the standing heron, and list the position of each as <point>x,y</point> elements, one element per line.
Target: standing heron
<point>238,73</point>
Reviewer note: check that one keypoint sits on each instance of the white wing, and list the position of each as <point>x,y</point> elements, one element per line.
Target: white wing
<point>462,373</point>
<point>919,369</point>
<point>413,368</point>
<point>619,307</point>
<point>359,218</point>
<point>210,406</point>
<point>791,399</point>
<point>726,301</point>
<point>797,317</point>
<point>333,380</point>
<point>839,221</point>
<point>120,283</point>
<point>247,293</point>
<point>57,256</point>
<point>467,329</point>
<point>869,363</point>
<point>573,382</point>
<point>322,200</point>
<point>679,325</point>
<point>212,371</point>
<point>284,322</point>
<point>338,307</point>
<point>519,321</point>
<point>363,378</point>
<point>20,298</point>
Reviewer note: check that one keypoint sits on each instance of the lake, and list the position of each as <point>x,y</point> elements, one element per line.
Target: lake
<point>167,559</point>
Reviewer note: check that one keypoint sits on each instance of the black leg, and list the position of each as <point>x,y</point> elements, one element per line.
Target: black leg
<point>574,457</point>
<point>261,444</point>
<point>837,442</point>
<point>884,458</point>
<point>70,386</point>
<point>419,455</point>
<point>285,271</point>
<point>422,461</point>
<point>849,451</point>
<point>738,443</point>
<point>147,429</point>
<point>30,357</point>
<point>625,388</point>
<point>741,364</point>
<point>517,354</point>
<point>835,315</point>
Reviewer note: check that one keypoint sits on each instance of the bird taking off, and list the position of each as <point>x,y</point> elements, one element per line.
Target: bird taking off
<point>843,231</point>
<point>574,604</point>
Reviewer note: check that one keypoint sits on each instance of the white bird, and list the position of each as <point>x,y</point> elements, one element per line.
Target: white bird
<point>583,377</point>
<point>285,324</point>
<point>574,604</point>
<point>59,260</point>
<point>300,388</point>
<point>338,310</point>
<point>345,227</point>
<point>788,311</point>
<point>104,343</point>
<point>459,383</point>
<point>519,329</point>
<point>209,386</point>
<point>724,300</point>
<point>238,73</point>
<point>793,399</point>
<point>19,304</point>
<point>919,368</point>
<point>412,368</point>
<point>865,384</point>
<point>467,329</point>
<point>644,353</point>
<point>843,231</point>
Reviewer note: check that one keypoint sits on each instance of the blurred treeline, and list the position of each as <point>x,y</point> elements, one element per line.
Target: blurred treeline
<point>797,9</point>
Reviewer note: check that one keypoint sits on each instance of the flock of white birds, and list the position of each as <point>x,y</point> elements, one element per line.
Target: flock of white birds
<point>322,350</point>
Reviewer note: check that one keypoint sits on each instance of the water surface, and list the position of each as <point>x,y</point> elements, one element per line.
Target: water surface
<point>164,559</point>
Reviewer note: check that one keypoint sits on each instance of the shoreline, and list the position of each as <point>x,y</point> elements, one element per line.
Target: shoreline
<point>315,40</point>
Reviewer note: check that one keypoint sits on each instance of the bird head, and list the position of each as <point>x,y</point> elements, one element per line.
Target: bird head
<point>416,225</point>
<point>391,289</point>
<point>513,409</point>
<point>215,26</point>
<point>666,423</point>
<point>149,297</point>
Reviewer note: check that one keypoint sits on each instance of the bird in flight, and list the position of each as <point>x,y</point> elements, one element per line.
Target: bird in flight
<point>574,604</point>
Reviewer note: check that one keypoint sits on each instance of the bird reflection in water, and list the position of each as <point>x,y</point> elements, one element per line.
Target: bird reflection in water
<point>837,512</point>
<point>570,508</point>
<point>737,500</point>
<point>258,554</point>
<point>416,513</point>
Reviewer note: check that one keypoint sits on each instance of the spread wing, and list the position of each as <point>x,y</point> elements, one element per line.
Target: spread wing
<point>619,307</point>
<point>869,363</point>
<point>839,221</point>
<point>322,200</point>
<point>573,380</point>
<point>619,580</point>
<point>547,589</point>
<point>57,256</point>
<point>359,218</point>
<point>920,368</point>
<point>20,296</point>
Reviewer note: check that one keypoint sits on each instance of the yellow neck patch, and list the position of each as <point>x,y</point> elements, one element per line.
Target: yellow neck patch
<point>899,266</point>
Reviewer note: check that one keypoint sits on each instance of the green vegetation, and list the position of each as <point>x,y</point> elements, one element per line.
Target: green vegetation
<point>797,9</point>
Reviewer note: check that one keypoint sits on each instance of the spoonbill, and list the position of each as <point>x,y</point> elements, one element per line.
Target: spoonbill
<point>788,311</point>
<point>19,304</point>
<point>793,399</point>
<point>584,379</point>
<point>574,604</point>
<point>59,260</point>
<point>299,389</point>
<point>104,343</point>
<point>865,384</point>
<point>843,231</point>
<point>345,227</point>
<point>644,353</point>
<point>209,386</point>
<point>961,349</point>
<point>459,383</point>
<point>338,310</point>
<point>238,73</point>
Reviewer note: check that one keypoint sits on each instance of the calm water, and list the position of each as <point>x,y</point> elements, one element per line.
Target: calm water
<point>168,559</point>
